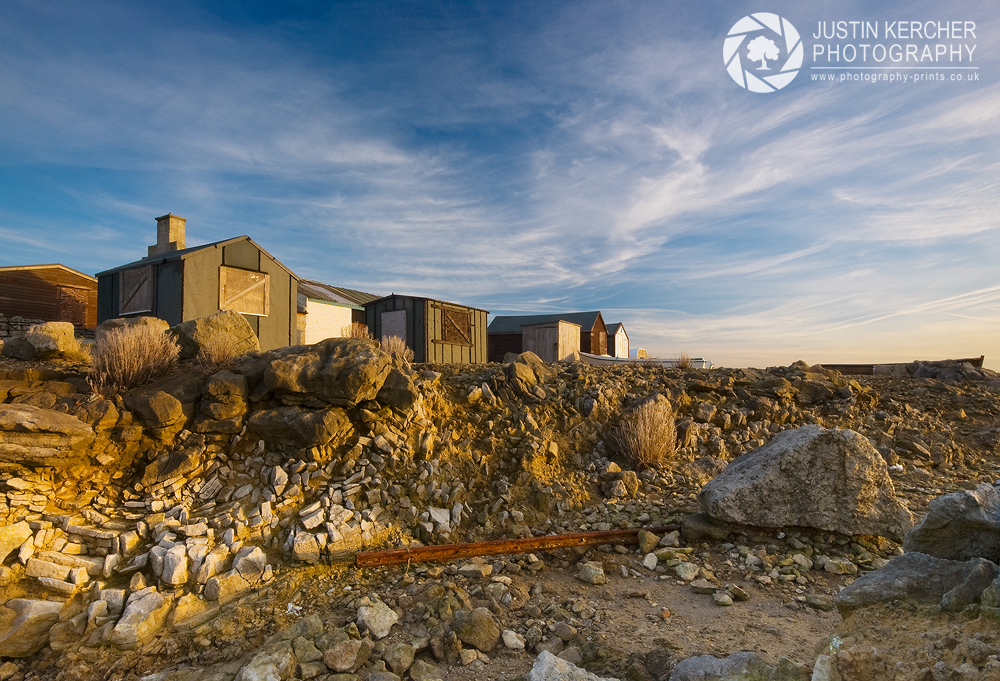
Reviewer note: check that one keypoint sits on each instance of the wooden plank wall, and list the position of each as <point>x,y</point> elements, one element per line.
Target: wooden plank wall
<point>453,353</point>
<point>34,294</point>
<point>501,343</point>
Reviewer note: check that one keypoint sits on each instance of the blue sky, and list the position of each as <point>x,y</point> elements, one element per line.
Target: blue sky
<point>525,157</point>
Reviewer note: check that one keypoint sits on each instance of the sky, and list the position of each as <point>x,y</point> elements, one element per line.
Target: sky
<point>534,157</point>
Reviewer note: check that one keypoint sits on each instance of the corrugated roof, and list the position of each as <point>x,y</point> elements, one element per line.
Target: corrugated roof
<point>513,324</point>
<point>433,300</point>
<point>180,255</point>
<point>334,294</point>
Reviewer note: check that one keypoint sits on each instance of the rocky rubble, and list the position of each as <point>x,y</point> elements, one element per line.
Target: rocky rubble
<point>185,503</point>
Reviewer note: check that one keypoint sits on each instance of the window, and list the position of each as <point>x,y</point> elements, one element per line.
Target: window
<point>244,291</point>
<point>456,327</point>
<point>135,290</point>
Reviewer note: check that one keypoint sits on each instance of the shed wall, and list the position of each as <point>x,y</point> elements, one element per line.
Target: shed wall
<point>502,343</point>
<point>325,320</point>
<point>35,294</point>
<point>551,341</point>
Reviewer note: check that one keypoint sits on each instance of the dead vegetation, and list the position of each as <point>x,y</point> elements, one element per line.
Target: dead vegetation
<point>396,346</point>
<point>131,356</point>
<point>356,330</point>
<point>217,353</point>
<point>647,436</point>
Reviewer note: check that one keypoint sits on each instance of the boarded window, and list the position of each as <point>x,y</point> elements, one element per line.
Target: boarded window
<point>72,305</point>
<point>456,327</point>
<point>244,291</point>
<point>136,291</point>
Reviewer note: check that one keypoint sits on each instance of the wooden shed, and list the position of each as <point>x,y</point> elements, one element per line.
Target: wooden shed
<point>53,293</point>
<point>325,311</point>
<point>507,335</point>
<point>436,331</point>
<point>552,341</point>
<point>617,340</point>
<point>177,284</point>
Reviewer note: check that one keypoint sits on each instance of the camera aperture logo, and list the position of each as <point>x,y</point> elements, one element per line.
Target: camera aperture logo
<point>763,52</point>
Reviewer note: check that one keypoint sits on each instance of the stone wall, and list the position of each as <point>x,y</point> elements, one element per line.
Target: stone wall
<point>16,326</point>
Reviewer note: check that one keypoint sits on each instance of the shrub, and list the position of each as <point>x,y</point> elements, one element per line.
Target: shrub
<point>683,361</point>
<point>394,345</point>
<point>217,353</point>
<point>131,356</point>
<point>356,330</point>
<point>647,435</point>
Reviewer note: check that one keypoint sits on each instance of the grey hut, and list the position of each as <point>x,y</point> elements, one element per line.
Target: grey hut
<point>436,331</point>
<point>506,334</point>
<point>177,284</point>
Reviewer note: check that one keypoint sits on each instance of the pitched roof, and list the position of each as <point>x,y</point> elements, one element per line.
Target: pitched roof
<point>433,300</point>
<point>513,324</point>
<point>334,294</point>
<point>55,265</point>
<point>170,256</point>
<point>613,329</point>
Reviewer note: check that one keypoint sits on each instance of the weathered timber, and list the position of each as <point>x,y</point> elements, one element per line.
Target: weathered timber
<point>443,552</point>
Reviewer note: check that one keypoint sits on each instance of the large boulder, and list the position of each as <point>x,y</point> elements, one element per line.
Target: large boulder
<point>548,667</point>
<point>160,412</point>
<point>227,329</point>
<point>920,578</point>
<point>833,480</point>
<point>398,391</point>
<point>960,526</point>
<point>109,325</point>
<point>301,428</point>
<point>338,371</point>
<point>41,437</point>
<point>42,341</point>
<point>29,632</point>
<point>737,667</point>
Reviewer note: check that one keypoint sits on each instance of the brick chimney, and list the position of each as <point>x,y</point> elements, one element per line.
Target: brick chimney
<point>169,235</point>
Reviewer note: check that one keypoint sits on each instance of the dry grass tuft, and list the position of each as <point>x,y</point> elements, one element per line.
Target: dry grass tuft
<point>356,330</point>
<point>217,353</point>
<point>131,356</point>
<point>647,436</point>
<point>683,361</point>
<point>394,345</point>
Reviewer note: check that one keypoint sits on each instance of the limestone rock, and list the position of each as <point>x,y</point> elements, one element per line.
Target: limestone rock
<point>398,391</point>
<point>142,618</point>
<point>399,657</point>
<point>591,572</point>
<point>109,325</point>
<point>29,632</point>
<point>736,667</point>
<point>50,339</point>
<point>12,536</point>
<point>339,371</point>
<point>42,437</point>
<point>278,665</point>
<point>960,526</point>
<point>548,667</point>
<point>305,547</point>
<point>377,619</point>
<point>159,411</point>
<point>348,656</point>
<point>301,428</point>
<point>848,484</point>
<point>478,628</point>
<point>228,327</point>
<point>920,578</point>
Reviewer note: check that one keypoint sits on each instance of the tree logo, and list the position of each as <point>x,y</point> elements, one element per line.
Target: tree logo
<point>771,39</point>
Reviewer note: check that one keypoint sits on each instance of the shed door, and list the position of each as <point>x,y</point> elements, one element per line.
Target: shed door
<point>136,291</point>
<point>394,324</point>
<point>244,291</point>
<point>71,305</point>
